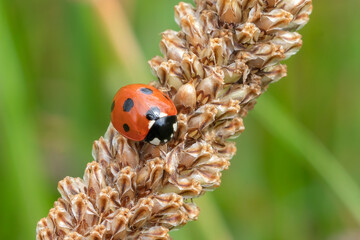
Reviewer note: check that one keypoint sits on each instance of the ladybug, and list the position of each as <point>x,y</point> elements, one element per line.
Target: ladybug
<point>142,112</point>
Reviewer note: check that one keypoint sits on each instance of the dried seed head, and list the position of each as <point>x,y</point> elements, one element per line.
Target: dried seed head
<point>185,98</point>
<point>247,33</point>
<point>229,10</point>
<point>225,56</point>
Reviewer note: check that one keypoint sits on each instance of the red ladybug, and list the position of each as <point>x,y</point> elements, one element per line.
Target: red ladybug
<point>141,112</point>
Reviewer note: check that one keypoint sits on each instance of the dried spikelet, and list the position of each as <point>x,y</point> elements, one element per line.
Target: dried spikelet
<point>224,57</point>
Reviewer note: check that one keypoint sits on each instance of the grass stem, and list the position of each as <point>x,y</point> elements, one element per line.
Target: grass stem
<point>300,139</point>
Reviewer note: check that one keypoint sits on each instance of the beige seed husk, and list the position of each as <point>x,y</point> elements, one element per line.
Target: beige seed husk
<point>224,57</point>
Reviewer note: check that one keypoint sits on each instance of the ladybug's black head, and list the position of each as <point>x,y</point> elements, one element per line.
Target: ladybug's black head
<point>162,130</point>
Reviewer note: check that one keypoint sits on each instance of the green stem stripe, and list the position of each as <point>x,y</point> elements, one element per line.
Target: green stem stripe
<point>296,136</point>
<point>22,162</point>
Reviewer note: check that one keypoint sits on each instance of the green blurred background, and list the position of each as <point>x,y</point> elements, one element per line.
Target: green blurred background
<point>296,173</point>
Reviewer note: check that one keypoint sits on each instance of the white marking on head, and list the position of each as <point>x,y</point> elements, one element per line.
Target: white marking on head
<point>172,135</point>
<point>155,141</point>
<point>151,123</point>
<point>165,141</point>
<point>162,114</point>
<point>175,127</point>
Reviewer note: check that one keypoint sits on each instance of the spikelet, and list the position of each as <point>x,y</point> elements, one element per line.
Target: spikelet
<point>224,57</point>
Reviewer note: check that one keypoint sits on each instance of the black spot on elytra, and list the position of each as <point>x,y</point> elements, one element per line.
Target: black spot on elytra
<point>153,113</point>
<point>128,104</point>
<point>112,105</point>
<point>126,127</point>
<point>146,91</point>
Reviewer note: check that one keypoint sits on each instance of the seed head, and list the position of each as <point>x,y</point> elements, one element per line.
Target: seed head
<point>224,57</point>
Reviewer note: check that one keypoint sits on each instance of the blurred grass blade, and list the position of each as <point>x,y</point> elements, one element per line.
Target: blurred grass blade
<point>21,161</point>
<point>123,39</point>
<point>212,223</point>
<point>293,134</point>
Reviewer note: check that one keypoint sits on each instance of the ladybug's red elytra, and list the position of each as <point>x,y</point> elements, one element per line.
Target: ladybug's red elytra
<point>142,112</point>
